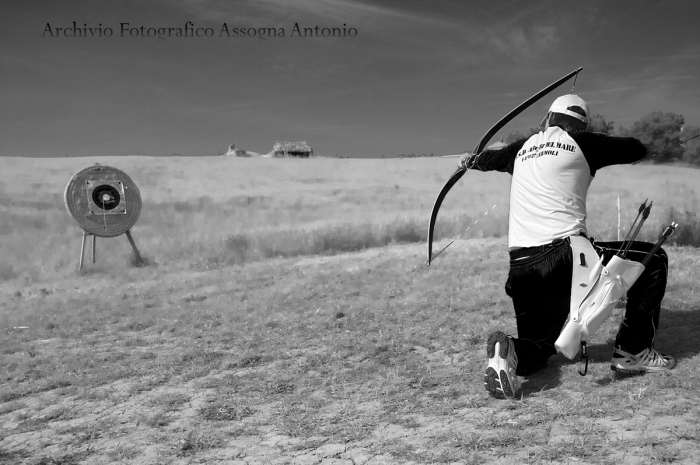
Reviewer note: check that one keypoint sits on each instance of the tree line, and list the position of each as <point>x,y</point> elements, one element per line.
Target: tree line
<point>657,130</point>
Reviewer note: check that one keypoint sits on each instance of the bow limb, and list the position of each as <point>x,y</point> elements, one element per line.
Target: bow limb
<point>457,175</point>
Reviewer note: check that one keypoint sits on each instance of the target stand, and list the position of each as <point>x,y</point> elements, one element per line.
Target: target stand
<point>105,202</point>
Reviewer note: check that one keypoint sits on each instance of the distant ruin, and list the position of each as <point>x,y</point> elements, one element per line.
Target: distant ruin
<point>233,151</point>
<point>279,150</point>
<point>292,149</point>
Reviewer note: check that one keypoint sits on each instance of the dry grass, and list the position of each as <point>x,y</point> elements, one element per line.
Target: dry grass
<point>218,211</point>
<point>306,357</point>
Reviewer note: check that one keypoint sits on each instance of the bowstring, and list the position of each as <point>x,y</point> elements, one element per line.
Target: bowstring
<point>475,222</point>
<point>574,84</point>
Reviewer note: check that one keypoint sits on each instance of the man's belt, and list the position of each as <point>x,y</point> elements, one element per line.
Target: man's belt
<point>524,252</point>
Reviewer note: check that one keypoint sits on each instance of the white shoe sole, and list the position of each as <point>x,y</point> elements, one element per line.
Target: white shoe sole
<point>496,380</point>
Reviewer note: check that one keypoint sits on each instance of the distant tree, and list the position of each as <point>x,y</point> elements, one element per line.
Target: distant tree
<point>598,123</point>
<point>513,136</point>
<point>691,149</point>
<point>657,131</point>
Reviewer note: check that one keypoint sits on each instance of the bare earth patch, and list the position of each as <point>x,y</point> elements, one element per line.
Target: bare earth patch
<point>363,358</point>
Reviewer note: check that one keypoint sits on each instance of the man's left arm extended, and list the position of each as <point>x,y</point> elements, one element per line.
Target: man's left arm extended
<point>494,160</point>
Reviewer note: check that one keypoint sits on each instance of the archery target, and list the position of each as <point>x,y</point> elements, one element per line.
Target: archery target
<point>104,201</point>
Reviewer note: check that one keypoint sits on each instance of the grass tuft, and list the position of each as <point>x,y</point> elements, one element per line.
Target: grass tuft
<point>195,442</point>
<point>219,411</point>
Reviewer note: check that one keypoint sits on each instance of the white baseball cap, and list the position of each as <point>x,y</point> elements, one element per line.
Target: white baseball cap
<point>563,103</point>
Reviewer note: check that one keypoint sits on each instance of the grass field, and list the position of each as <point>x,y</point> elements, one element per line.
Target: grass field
<point>287,316</point>
<point>212,211</point>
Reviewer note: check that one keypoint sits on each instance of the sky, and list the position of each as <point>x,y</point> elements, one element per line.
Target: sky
<point>404,77</point>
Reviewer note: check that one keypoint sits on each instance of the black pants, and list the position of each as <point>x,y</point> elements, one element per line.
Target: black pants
<point>540,286</point>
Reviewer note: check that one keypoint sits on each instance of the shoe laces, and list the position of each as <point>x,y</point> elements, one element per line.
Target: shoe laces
<point>652,357</point>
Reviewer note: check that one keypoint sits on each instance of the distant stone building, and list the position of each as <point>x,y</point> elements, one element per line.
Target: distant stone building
<point>292,149</point>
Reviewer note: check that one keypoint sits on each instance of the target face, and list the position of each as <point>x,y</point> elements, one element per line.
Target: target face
<point>103,200</point>
<point>106,197</point>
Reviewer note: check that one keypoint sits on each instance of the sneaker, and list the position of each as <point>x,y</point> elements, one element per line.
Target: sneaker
<point>645,361</point>
<point>500,379</point>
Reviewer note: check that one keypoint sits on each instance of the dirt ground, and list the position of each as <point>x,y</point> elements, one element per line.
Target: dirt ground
<point>290,409</point>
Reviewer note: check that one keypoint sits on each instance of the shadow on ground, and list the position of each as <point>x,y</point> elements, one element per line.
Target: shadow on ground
<point>678,335</point>
<point>678,332</point>
<point>547,378</point>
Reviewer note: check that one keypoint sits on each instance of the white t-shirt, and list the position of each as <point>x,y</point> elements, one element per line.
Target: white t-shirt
<point>548,194</point>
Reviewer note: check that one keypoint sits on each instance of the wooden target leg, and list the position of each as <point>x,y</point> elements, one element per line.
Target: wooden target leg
<point>94,242</point>
<point>133,246</point>
<point>82,251</point>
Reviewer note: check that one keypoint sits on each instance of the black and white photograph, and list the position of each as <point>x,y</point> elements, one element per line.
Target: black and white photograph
<point>349,232</point>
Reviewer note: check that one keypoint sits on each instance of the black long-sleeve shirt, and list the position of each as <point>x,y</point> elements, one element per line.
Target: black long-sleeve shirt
<point>599,149</point>
<point>552,171</point>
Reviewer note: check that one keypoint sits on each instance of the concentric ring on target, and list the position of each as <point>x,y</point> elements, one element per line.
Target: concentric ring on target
<point>103,200</point>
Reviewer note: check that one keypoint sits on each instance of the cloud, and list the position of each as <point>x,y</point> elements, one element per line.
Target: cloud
<point>522,44</point>
<point>350,10</point>
<point>659,86</point>
<point>282,11</point>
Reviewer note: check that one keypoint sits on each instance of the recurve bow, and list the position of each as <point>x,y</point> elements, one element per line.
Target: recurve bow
<point>457,175</point>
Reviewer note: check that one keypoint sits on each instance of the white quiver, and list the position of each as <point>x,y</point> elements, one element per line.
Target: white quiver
<point>595,290</point>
